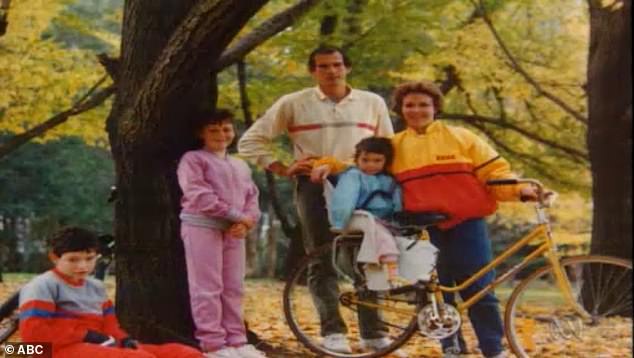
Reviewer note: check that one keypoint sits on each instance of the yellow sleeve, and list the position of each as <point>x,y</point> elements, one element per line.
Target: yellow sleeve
<point>488,164</point>
<point>336,166</point>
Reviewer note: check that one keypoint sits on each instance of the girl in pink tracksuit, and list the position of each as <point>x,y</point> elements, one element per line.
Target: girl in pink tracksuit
<point>219,207</point>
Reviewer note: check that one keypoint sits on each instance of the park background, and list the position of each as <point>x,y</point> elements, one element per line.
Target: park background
<point>78,115</point>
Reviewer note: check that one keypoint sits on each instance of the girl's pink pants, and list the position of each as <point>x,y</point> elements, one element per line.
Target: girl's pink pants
<point>215,272</point>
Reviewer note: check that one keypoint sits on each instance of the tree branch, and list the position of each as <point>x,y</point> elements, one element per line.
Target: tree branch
<point>87,102</point>
<point>287,226</point>
<point>111,64</point>
<point>242,89</point>
<point>4,15</point>
<point>534,162</point>
<point>452,79</point>
<point>197,42</point>
<point>514,64</point>
<point>231,56</point>
<point>263,32</point>
<point>575,154</point>
<point>374,27</point>
<point>497,94</point>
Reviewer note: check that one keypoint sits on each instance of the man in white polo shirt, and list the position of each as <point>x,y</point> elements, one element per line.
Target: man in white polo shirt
<point>326,120</point>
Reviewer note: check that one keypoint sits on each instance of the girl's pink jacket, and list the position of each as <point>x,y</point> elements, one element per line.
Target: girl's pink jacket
<point>216,188</point>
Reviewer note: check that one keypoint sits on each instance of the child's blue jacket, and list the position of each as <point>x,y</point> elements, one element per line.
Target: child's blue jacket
<point>353,190</point>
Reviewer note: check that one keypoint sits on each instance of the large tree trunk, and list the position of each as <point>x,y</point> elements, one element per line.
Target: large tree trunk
<point>610,126</point>
<point>165,77</point>
<point>4,16</point>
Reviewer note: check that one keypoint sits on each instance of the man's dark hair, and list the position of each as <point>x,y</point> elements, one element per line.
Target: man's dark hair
<point>326,50</point>
<point>73,239</point>
<point>377,145</point>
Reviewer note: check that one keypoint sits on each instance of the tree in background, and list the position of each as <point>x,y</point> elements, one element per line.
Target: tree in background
<point>610,125</point>
<point>48,185</point>
<point>513,70</point>
<point>170,54</point>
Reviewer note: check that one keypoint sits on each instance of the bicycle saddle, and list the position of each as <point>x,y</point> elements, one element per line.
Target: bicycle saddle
<point>409,218</point>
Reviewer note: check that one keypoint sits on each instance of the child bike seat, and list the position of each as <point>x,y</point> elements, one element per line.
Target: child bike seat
<point>408,218</point>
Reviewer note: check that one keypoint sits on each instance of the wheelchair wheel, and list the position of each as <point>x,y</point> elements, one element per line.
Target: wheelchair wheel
<point>350,308</point>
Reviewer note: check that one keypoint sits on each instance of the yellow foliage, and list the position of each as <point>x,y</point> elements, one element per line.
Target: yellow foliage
<point>41,79</point>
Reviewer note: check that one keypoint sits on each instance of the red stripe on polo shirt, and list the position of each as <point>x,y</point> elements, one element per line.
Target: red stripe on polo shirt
<point>305,127</point>
<point>367,126</point>
<point>308,127</point>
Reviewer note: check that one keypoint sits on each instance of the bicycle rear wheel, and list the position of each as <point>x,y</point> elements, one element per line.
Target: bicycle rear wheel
<point>394,314</point>
<point>539,323</point>
<point>9,317</point>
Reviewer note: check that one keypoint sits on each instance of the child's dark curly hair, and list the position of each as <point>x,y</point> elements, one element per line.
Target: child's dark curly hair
<point>377,145</point>
<point>73,239</point>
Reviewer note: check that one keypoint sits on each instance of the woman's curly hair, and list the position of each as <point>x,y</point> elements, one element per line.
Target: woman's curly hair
<point>424,87</point>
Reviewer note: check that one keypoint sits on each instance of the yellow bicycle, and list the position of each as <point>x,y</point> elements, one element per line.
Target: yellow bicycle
<point>577,306</point>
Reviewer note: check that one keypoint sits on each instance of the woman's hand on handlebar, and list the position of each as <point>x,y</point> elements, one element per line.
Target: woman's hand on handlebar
<point>529,193</point>
<point>532,193</point>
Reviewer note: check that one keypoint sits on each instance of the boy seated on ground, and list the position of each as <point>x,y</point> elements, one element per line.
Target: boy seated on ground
<point>66,307</point>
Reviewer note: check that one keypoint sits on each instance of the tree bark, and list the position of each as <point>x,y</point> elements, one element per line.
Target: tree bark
<point>290,228</point>
<point>164,78</point>
<point>610,126</point>
<point>4,15</point>
<point>271,245</point>
<point>263,32</point>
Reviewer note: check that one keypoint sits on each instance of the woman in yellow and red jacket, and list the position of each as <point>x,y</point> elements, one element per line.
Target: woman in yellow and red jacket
<point>443,168</point>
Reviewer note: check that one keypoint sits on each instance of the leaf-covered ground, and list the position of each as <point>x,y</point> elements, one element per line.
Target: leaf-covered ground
<point>264,313</point>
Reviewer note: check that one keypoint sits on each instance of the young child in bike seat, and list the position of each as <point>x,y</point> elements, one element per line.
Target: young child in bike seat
<point>70,309</point>
<point>367,186</point>
<point>219,207</point>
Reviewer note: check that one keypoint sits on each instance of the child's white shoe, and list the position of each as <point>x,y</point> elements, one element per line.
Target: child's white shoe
<point>249,351</point>
<point>226,352</point>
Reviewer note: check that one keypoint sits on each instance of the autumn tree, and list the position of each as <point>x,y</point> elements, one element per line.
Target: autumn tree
<point>4,9</point>
<point>170,55</point>
<point>610,125</point>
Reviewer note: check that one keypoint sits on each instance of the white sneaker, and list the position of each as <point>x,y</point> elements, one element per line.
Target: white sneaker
<point>452,352</point>
<point>376,344</point>
<point>336,342</point>
<point>226,352</point>
<point>249,351</point>
<point>500,355</point>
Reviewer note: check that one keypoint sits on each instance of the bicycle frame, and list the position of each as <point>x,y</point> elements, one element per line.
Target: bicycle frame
<point>548,248</point>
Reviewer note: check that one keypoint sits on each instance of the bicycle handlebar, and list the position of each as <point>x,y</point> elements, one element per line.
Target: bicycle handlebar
<point>494,182</point>
<point>545,198</point>
<point>513,181</point>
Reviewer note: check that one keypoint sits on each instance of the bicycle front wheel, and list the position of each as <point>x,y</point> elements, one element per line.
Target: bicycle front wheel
<point>350,309</point>
<point>540,323</point>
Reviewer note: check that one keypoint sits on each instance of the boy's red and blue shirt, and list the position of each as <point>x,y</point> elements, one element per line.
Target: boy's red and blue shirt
<point>55,308</point>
